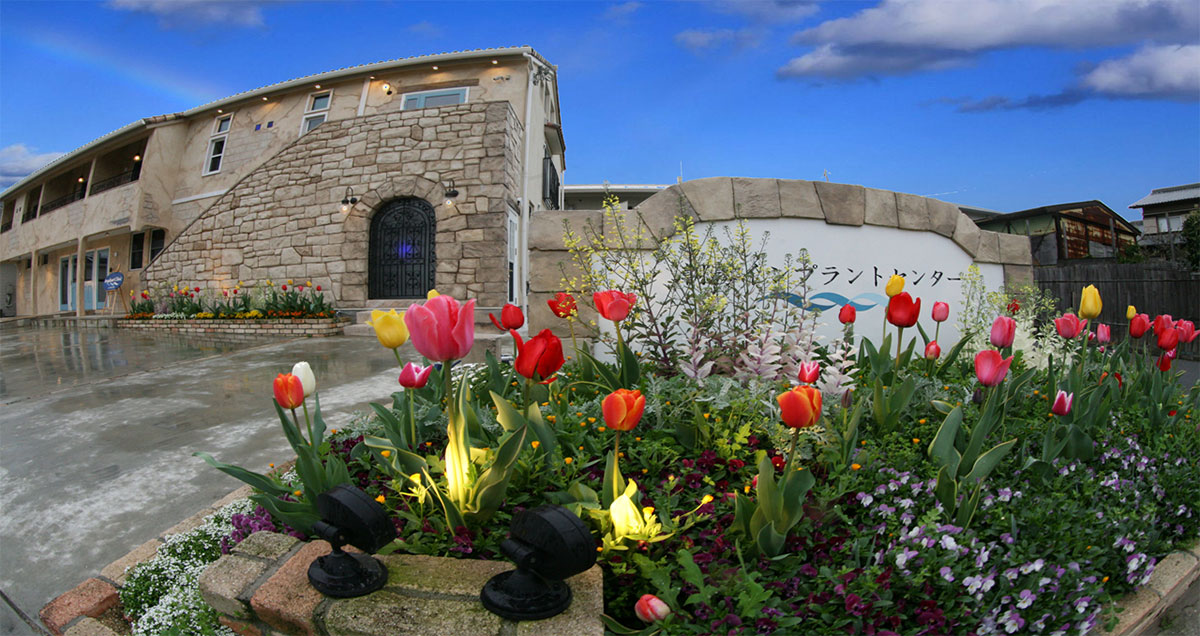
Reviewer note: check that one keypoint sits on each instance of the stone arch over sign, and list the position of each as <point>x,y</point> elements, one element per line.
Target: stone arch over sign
<point>936,225</point>
<point>402,250</point>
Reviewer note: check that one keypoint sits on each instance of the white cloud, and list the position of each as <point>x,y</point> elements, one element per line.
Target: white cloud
<point>621,11</point>
<point>176,13</point>
<point>1169,72</point>
<point>770,11</point>
<point>697,40</point>
<point>900,36</point>
<point>425,28</point>
<point>18,161</point>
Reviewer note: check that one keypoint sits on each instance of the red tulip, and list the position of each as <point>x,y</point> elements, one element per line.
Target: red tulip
<point>941,311</point>
<point>800,407</point>
<point>650,608</point>
<point>1163,322</point>
<point>614,305</point>
<point>300,288</point>
<point>932,350</point>
<point>990,368</point>
<point>902,311</point>
<point>235,290</point>
<point>563,304</point>
<point>809,372</point>
<point>542,355</point>
<point>511,316</point>
<point>1168,339</point>
<point>1004,330</point>
<point>1164,363</point>
<point>197,289</point>
<point>1062,403</point>
<point>1069,326</point>
<point>289,391</point>
<point>414,376</point>
<point>1014,306</point>
<point>1139,325</point>
<point>623,409</point>
<point>318,288</point>
<point>1103,334</point>
<point>441,328</point>
<point>226,293</point>
<point>847,314</point>
<point>283,287</point>
<point>1187,331</point>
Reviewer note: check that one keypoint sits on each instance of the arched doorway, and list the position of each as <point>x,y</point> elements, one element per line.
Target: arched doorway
<point>401,259</point>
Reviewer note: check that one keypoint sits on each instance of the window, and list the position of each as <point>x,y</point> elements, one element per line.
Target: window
<point>137,245</point>
<point>318,106</point>
<point>157,238</point>
<point>216,145</point>
<point>431,99</point>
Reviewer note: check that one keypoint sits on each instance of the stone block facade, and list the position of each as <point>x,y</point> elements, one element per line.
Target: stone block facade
<point>248,330</point>
<point>283,220</point>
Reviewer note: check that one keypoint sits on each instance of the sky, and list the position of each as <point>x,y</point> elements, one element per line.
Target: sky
<point>1000,104</point>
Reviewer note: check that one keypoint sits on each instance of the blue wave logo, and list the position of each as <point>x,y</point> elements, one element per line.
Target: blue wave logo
<point>824,301</point>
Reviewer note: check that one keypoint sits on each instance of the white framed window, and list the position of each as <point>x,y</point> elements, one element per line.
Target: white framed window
<point>216,144</point>
<point>432,99</point>
<point>514,263</point>
<point>317,110</point>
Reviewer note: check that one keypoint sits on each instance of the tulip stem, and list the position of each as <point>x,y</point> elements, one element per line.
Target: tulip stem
<point>617,446</point>
<point>899,341</point>
<point>308,424</point>
<point>574,345</point>
<point>412,420</point>
<point>296,421</point>
<point>400,362</point>
<point>447,385</point>
<point>791,453</point>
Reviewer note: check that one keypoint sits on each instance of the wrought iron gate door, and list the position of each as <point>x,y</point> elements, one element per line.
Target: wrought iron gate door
<point>401,257</point>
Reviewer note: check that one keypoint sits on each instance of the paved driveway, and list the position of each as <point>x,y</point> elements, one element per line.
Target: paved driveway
<point>98,427</point>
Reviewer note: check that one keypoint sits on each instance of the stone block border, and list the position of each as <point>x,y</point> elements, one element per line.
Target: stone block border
<point>1171,578</point>
<point>232,329</point>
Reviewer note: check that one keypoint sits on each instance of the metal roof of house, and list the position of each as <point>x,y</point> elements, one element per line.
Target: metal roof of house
<point>326,76</point>
<point>602,187</point>
<point>1167,195</point>
<point>1055,209</point>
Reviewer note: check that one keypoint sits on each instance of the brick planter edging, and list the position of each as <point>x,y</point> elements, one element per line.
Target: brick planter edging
<point>247,328</point>
<point>1171,578</point>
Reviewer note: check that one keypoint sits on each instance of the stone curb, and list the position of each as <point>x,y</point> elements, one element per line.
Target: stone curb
<point>1172,576</point>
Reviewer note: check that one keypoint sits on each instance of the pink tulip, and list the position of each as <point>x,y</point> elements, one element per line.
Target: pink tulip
<point>650,608</point>
<point>941,311</point>
<point>1163,322</point>
<point>1004,329</point>
<point>1062,403</point>
<point>1103,334</point>
<point>1069,326</point>
<point>809,372</point>
<point>414,376</point>
<point>932,350</point>
<point>441,328</point>
<point>990,368</point>
<point>1187,331</point>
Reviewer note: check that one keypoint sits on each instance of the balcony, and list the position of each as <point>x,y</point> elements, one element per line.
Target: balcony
<point>129,176</point>
<point>63,201</point>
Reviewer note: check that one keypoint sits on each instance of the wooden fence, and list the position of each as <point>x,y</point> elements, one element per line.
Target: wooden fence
<point>1154,288</point>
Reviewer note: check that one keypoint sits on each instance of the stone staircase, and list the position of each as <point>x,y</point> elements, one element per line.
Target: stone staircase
<point>486,336</point>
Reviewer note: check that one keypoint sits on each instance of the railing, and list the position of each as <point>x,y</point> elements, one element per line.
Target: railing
<point>112,182</point>
<point>63,200</point>
<point>30,214</point>
<point>549,184</point>
<point>5,227</point>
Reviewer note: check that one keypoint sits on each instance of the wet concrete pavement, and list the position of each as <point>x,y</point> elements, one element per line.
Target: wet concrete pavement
<point>98,427</point>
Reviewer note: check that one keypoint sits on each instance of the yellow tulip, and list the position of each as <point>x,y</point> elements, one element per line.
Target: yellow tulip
<point>1130,312</point>
<point>1089,303</point>
<point>389,328</point>
<point>433,293</point>
<point>895,285</point>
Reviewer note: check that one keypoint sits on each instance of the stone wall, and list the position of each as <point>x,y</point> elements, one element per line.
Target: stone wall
<point>283,220</point>
<point>729,198</point>
<point>240,329</point>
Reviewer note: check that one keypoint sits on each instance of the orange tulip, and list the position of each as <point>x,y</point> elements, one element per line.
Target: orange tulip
<point>623,409</point>
<point>289,391</point>
<point>800,407</point>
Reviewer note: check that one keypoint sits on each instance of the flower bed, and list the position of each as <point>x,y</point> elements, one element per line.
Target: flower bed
<point>1016,481</point>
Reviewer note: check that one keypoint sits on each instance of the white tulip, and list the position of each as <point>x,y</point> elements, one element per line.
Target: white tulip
<point>307,379</point>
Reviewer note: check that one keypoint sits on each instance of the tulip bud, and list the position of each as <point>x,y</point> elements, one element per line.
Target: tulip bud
<point>414,376</point>
<point>809,372</point>
<point>1062,403</point>
<point>1130,312</point>
<point>511,317</point>
<point>1069,326</point>
<point>1014,306</point>
<point>289,391</point>
<point>1004,330</point>
<point>848,398</point>
<point>1164,363</point>
<point>799,407</point>
<point>990,368</point>
<point>977,396</point>
<point>650,608</point>
<point>390,328</point>
<point>847,314</point>
<point>932,350</point>
<point>622,409</point>
<point>1103,334</point>
<point>1187,331</point>
<point>941,311</point>
<point>895,285</point>
<point>307,379</point>
<point>1139,325</point>
<point>1089,303</point>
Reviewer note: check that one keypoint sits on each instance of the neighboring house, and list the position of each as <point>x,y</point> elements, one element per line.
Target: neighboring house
<point>1163,213</point>
<point>1087,229</point>
<point>591,196</point>
<point>446,156</point>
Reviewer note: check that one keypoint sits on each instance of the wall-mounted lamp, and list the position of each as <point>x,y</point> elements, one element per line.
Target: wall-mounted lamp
<point>387,88</point>
<point>349,200</point>
<point>81,179</point>
<point>137,157</point>
<point>451,193</point>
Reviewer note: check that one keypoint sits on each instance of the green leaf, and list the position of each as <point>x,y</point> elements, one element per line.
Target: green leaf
<point>508,415</point>
<point>769,541</point>
<point>614,482</point>
<point>946,490</point>
<point>988,462</point>
<point>255,480</point>
<point>318,422</point>
<point>769,501</point>
<point>795,486</point>
<point>492,484</point>
<point>942,449</point>
<point>392,426</point>
<point>547,440</point>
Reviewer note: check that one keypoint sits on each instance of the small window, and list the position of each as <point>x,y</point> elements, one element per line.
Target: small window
<point>318,106</point>
<point>137,245</point>
<point>157,239</point>
<point>432,99</point>
<point>216,151</point>
<point>223,124</point>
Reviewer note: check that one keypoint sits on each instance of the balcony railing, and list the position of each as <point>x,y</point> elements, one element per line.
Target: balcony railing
<point>549,184</point>
<point>61,201</point>
<point>5,227</point>
<point>112,182</point>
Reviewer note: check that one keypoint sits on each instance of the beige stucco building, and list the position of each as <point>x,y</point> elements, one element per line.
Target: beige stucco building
<point>446,156</point>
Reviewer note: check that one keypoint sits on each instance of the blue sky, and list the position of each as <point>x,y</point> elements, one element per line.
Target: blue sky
<point>1001,104</point>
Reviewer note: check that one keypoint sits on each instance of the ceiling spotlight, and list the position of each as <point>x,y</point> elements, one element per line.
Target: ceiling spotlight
<point>219,111</point>
<point>435,67</point>
<point>387,88</point>
<point>548,544</point>
<point>349,200</point>
<point>350,516</point>
<point>318,87</point>
<point>495,61</point>
<point>264,99</point>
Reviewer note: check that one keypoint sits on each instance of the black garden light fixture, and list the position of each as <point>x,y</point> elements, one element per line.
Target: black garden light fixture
<point>548,544</point>
<point>349,200</point>
<point>350,516</point>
